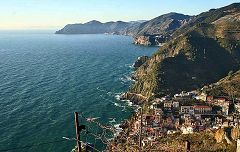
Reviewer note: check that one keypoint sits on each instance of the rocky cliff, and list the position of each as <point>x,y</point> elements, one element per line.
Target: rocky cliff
<point>150,40</point>
<point>140,61</point>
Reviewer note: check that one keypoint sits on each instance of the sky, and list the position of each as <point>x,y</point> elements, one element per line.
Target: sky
<point>54,14</point>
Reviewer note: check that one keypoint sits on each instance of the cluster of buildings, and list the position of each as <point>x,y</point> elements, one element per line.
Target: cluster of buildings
<point>184,113</point>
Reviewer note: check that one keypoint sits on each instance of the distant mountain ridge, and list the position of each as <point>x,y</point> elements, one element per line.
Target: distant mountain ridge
<point>96,27</point>
<point>156,26</point>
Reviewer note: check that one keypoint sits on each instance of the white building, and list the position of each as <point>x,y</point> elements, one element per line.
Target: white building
<point>187,130</point>
<point>175,104</point>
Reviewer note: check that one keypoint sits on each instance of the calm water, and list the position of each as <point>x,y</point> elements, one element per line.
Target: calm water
<point>45,77</point>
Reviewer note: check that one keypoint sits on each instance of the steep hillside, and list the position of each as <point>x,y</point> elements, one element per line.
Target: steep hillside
<point>229,86</point>
<point>226,15</point>
<point>159,29</point>
<point>162,24</point>
<point>200,53</point>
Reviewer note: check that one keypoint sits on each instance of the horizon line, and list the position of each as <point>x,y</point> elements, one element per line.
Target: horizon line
<point>57,27</point>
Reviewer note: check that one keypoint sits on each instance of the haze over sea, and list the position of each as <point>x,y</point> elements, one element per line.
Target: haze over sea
<point>44,78</point>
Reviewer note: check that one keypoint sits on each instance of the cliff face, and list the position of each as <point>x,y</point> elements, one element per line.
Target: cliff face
<point>159,29</point>
<point>150,40</point>
<point>144,40</point>
<point>199,53</point>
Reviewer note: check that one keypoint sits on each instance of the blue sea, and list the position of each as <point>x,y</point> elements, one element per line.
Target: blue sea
<point>45,78</point>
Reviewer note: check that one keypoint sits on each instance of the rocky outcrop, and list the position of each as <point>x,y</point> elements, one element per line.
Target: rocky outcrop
<point>144,40</point>
<point>150,40</point>
<point>134,98</point>
<point>140,61</point>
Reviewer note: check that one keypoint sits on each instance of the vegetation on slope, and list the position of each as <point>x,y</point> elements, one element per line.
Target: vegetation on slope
<point>228,86</point>
<point>204,53</point>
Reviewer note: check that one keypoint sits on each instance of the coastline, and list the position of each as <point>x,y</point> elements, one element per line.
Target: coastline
<point>123,129</point>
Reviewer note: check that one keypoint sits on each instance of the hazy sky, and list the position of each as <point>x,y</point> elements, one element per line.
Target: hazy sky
<point>40,14</point>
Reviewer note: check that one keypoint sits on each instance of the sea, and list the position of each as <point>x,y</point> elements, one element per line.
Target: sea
<point>45,78</point>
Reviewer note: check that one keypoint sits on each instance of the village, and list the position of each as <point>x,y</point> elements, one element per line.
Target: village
<point>184,113</point>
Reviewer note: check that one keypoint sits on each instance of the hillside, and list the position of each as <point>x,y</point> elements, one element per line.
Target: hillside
<point>159,29</point>
<point>229,86</point>
<point>199,53</point>
<point>162,24</point>
<point>96,27</point>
